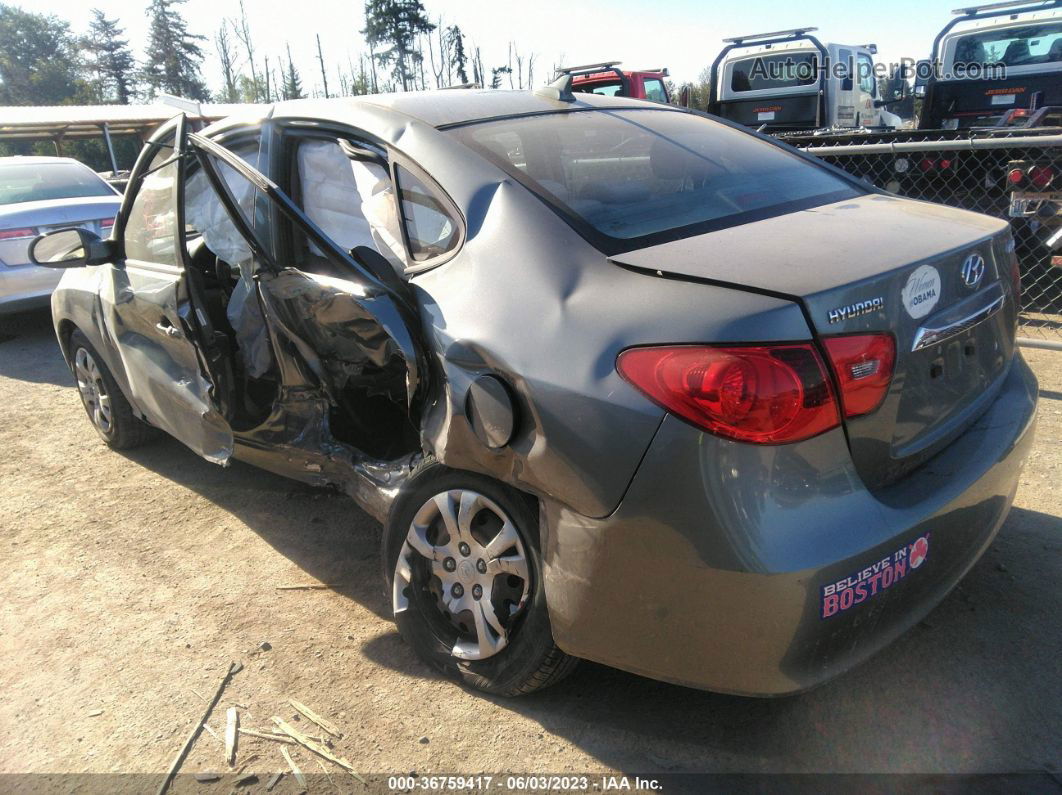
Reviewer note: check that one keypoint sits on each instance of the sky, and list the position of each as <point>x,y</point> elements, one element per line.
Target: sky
<point>683,35</point>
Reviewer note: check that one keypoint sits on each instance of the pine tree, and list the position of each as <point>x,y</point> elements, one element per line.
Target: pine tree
<point>292,88</point>
<point>459,59</point>
<point>392,28</point>
<point>109,60</point>
<point>174,54</point>
<point>496,75</point>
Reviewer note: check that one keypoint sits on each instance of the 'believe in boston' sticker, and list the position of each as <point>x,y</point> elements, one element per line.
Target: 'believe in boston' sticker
<point>874,579</point>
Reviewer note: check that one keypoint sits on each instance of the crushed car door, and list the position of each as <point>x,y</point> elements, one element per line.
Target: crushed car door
<point>353,323</point>
<point>150,307</point>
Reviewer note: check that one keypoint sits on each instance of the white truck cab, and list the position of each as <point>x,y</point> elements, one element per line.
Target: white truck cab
<point>789,80</point>
<point>992,59</point>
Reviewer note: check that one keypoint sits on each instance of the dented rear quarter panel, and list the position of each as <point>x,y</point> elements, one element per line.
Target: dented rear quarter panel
<point>527,299</point>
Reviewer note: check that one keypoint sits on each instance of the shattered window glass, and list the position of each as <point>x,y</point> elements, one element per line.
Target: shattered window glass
<point>151,228</point>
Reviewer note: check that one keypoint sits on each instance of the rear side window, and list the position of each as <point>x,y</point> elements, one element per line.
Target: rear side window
<point>654,90</point>
<point>784,70</point>
<point>24,182</point>
<point>627,178</point>
<point>151,226</point>
<point>431,230</point>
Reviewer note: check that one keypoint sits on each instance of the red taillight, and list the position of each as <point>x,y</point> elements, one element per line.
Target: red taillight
<point>863,364</point>
<point>927,164</point>
<point>107,223</point>
<point>1041,176</point>
<point>1015,176</point>
<point>765,394</point>
<point>15,234</point>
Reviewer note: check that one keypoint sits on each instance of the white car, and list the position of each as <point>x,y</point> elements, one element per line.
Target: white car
<point>37,195</point>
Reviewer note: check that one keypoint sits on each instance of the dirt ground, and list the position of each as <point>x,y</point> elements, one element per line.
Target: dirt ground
<point>130,581</point>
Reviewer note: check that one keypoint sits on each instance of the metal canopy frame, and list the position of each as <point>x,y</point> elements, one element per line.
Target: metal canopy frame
<point>60,123</point>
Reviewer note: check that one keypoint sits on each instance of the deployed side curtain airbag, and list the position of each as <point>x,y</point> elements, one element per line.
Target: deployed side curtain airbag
<point>204,211</point>
<point>351,201</point>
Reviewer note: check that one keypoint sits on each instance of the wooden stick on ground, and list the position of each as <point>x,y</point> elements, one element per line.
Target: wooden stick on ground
<point>317,748</point>
<point>327,774</point>
<point>246,762</point>
<point>165,785</point>
<point>232,723</point>
<point>312,586</point>
<point>294,768</point>
<point>278,738</point>
<point>328,726</point>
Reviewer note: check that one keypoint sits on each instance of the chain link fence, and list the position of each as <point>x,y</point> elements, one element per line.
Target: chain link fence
<point>955,169</point>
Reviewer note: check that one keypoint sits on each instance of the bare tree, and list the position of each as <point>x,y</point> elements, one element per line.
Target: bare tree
<point>242,29</point>
<point>320,59</point>
<point>440,70</point>
<point>228,63</point>
<point>372,63</point>
<point>479,77</point>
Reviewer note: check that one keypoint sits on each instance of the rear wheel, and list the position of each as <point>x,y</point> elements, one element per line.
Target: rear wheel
<point>465,576</point>
<point>106,406</point>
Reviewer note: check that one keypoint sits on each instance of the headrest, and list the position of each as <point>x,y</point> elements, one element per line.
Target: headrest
<point>1016,51</point>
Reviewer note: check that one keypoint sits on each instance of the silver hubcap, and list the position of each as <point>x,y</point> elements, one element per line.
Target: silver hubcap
<point>93,391</point>
<point>463,549</point>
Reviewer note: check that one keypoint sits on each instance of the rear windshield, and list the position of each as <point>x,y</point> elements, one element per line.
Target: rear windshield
<point>784,70</point>
<point>604,88</point>
<point>636,177</point>
<point>32,182</point>
<point>1020,46</point>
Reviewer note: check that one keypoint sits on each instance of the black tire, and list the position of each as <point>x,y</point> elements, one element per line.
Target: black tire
<point>124,430</point>
<point>531,660</point>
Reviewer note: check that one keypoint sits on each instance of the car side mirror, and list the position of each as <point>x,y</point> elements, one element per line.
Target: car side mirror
<point>69,248</point>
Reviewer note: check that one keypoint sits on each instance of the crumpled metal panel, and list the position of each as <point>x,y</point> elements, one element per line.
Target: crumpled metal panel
<point>165,377</point>
<point>353,337</point>
<point>296,441</point>
<point>548,314</point>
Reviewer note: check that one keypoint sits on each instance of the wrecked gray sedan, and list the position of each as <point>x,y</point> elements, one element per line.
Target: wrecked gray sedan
<point>623,382</point>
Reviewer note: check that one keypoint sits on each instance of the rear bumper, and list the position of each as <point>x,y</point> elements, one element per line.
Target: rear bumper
<point>718,568</point>
<point>26,287</point>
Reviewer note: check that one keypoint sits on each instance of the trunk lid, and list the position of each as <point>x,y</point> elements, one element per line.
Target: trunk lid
<point>879,264</point>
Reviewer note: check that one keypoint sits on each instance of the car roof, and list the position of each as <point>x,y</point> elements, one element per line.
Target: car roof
<point>450,107</point>
<point>36,160</point>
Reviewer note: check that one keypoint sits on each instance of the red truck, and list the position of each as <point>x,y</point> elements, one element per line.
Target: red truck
<point>607,79</point>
